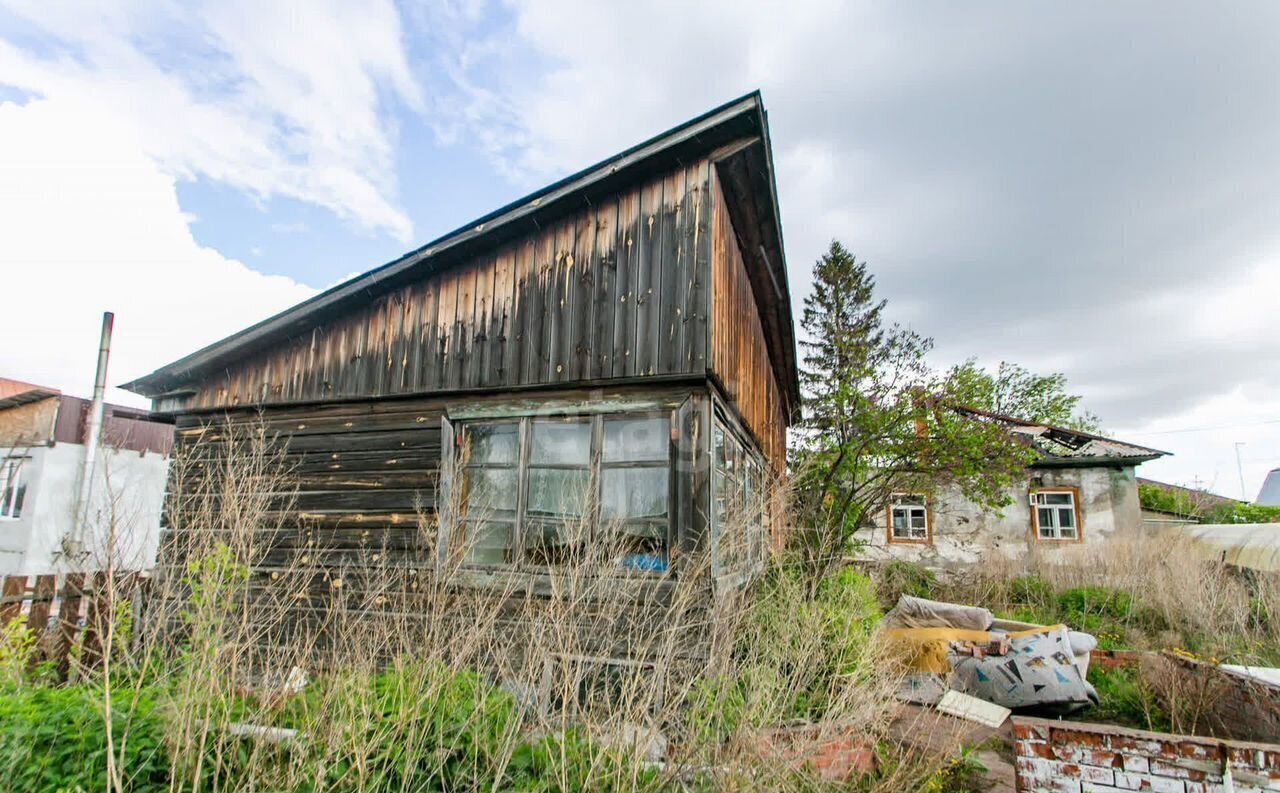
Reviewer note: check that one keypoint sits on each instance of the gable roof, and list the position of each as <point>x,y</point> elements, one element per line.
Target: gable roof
<point>1063,446</point>
<point>734,134</point>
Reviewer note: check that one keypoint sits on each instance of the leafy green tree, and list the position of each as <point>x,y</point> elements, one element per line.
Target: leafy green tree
<point>876,420</point>
<point>1012,390</point>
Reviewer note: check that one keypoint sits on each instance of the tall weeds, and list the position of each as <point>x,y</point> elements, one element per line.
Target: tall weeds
<point>285,652</point>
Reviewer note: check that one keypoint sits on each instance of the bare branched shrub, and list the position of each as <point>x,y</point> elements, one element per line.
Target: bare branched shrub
<point>289,650</point>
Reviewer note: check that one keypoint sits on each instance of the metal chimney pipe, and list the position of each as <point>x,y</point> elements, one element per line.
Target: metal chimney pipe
<point>92,436</point>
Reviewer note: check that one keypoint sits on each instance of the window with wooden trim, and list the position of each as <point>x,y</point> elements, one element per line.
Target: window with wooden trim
<point>13,490</point>
<point>909,519</point>
<point>540,491</point>
<point>1056,515</point>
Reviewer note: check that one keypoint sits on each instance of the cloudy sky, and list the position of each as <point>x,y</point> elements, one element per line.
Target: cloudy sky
<point>1084,187</point>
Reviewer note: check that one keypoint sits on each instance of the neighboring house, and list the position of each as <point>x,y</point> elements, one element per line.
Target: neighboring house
<point>614,350</point>
<point>42,462</point>
<point>1082,491</point>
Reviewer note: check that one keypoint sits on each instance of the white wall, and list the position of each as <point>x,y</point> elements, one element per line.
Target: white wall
<point>128,494</point>
<point>964,534</point>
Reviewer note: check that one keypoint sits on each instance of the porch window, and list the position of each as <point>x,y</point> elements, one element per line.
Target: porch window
<point>1055,514</point>
<point>739,508</point>
<point>539,492</point>
<point>12,489</point>
<point>908,518</point>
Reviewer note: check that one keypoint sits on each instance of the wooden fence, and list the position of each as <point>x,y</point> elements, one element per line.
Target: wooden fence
<point>69,613</point>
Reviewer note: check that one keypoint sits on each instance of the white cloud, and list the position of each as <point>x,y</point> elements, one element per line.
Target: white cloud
<point>1110,216</point>
<point>273,98</point>
<point>89,222</point>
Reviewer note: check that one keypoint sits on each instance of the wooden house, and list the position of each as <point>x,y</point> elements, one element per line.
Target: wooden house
<point>615,349</point>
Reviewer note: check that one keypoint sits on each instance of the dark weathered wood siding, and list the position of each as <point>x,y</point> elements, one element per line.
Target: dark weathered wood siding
<point>358,501</point>
<point>618,290</point>
<point>739,353</point>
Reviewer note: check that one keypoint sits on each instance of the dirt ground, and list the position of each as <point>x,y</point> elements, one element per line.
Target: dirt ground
<point>926,728</point>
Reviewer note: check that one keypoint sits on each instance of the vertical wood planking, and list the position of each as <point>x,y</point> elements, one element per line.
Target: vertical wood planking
<point>606,292</point>
<point>500,318</point>
<point>446,310</point>
<point>463,327</point>
<point>671,265</point>
<point>641,283</point>
<point>425,344</point>
<point>697,306</point>
<point>584,274</point>
<point>479,332</point>
<point>648,272</point>
<point>521,321</point>
<point>627,253</point>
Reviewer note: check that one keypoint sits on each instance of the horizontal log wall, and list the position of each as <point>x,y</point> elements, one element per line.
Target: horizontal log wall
<point>616,291</point>
<point>349,521</point>
<point>739,353</point>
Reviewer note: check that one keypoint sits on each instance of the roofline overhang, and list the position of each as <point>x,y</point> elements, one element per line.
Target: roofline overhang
<point>740,118</point>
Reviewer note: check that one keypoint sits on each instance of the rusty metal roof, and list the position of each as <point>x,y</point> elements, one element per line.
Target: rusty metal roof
<point>1066,446</point>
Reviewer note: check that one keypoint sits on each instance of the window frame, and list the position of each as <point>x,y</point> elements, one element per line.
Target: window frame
<point>1058,539</point>
<point>458,430</point>
<point>13,490</point>
<point>927,539</point>
<point>750,479</point>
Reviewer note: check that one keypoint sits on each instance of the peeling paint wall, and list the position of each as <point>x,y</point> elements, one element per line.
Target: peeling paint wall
<point>962,533</point>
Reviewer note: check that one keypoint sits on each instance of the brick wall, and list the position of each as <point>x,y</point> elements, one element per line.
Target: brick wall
<point>1075,757</point>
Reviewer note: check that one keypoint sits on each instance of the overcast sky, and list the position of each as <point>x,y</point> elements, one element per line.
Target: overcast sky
<point>1084,187</point>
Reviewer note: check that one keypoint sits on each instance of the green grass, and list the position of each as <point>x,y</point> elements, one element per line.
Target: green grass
<point>1124,700</point>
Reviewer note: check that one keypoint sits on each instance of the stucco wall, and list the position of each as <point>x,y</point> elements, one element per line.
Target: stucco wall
<point>128,492</point>
<point>964,534</point>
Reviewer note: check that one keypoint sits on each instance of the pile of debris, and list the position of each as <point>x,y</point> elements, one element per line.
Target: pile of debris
<point>1014,665</point>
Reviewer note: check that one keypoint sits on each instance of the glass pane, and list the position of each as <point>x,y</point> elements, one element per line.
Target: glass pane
<point>1045,518</point>
<point>493,443</point>
<point>918,520</point>
<point>718,450</point>
<point>899,519</point>
<point>488,542</point>
<point>1067,534</point>
<point>1056,498</point>
<point>633,493</point>
<point>909,499</point>
<point>491,492</point>
<point>561,442</point>
<point>634,440</point>
<point>558,493</point>
<point>553,542</point>
<point>1066,518</point>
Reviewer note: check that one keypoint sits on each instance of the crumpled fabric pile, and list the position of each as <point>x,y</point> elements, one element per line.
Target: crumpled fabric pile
<point>1026,668</point>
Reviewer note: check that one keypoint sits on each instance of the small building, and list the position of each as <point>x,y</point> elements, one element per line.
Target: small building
<point>1082,491</point>
<point>614,352</point>
<point>42,463</point>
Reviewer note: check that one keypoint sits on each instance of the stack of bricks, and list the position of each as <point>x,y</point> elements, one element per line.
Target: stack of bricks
<point>1075,757</point>
<point>833,752</point>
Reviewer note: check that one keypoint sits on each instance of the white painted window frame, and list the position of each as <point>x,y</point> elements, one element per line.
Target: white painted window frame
<point>1054,533</point>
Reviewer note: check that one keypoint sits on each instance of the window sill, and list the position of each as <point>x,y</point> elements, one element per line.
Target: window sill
<point>635,586</point>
